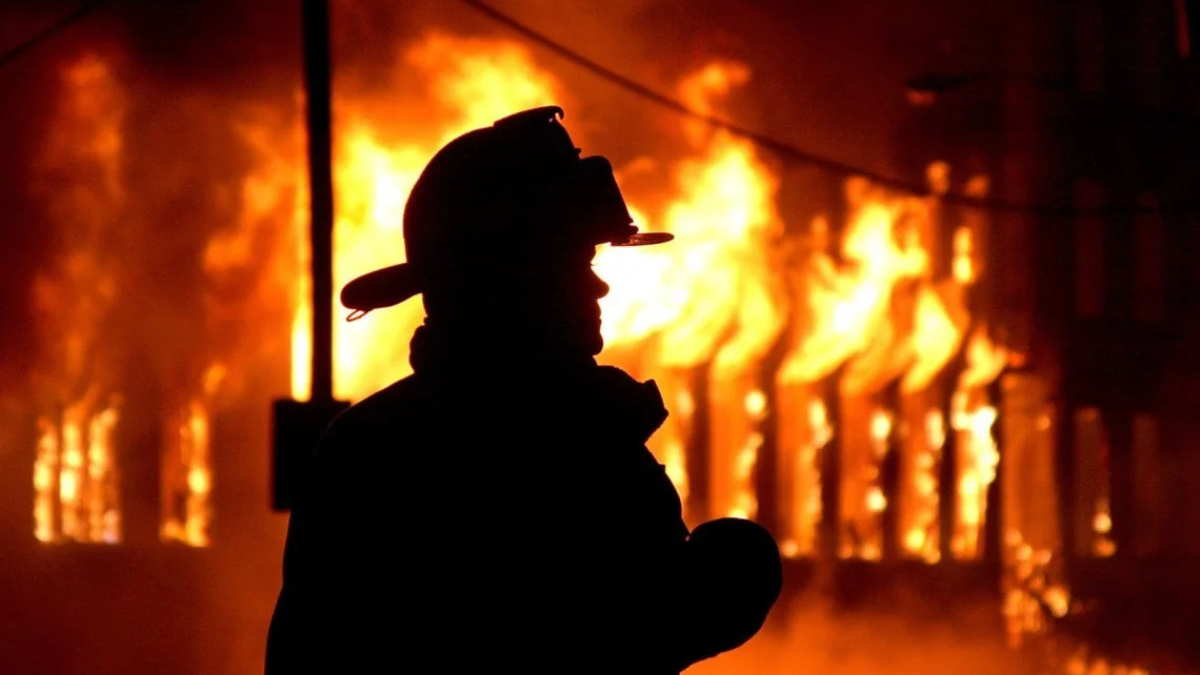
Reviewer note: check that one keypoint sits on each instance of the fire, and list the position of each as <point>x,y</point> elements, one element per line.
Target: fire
<point>75,477</point>
<point>875,316</point>
<point>1032,596</point>
<point>187,477</point>
<point>972,417</point>
<point>712,304</point>
<point>845,308</point>
<point>378,157</point>
<point>935,339</point>
<point>714,294</point>
<point>981,457</point>
<point>920,522</point>
<point>1082,662</point>
<point>75,474</point>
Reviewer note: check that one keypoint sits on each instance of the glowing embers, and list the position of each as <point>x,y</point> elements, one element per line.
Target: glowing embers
<point>76,482</point>
<point>1093,485</point>
<point>1032,576</point>
<point>1033,593</point>
<point>1083,662</point>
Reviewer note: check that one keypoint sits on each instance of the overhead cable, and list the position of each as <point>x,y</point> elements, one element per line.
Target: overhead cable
<point>793,153</point>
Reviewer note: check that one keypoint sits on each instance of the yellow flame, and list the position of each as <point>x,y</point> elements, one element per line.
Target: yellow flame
<point>963,265</point>
<point>934,340</point>
<point>985,360</point>
<point>715,295</point>
<point>45,480</point>
<point>378,156</point>
<point>716,286</point>
<point>979,458</point>
<point>846,306</point>
<point>75,477</point>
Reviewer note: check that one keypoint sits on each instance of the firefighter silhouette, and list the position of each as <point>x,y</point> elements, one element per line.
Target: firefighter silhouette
<point>499,508</point>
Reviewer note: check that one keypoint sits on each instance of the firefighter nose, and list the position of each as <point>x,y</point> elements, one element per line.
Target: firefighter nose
<point>600,287</point>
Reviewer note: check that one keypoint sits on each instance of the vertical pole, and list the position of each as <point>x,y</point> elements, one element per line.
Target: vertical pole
<point>830,461</point>
<point>948,467</point>
<point>890,480</point>
<point>320,180</point>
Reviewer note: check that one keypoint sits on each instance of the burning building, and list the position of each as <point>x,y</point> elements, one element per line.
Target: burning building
<point>963,403</point>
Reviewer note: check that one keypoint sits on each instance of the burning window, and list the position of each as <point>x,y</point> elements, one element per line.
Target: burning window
<point>76,478</point>
<point>76,473</point>
<point>187,467</point>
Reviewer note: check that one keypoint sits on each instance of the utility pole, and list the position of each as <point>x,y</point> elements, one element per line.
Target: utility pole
<point>298,425</point>
<point>320,180</point>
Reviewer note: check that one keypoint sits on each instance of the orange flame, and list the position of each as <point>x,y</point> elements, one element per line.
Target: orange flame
<point>714,296</point>
<point>187,478</point>
<point>75,476</point>
<point>377,161</point>
<point>972,417</point>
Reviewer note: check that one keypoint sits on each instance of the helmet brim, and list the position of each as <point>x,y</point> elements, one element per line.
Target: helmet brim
<point>393,285</point>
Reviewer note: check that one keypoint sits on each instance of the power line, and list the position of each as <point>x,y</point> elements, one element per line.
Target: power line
<point>786,150</point>
<point>16,52</point>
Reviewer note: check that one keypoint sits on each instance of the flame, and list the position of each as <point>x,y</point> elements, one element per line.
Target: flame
<point>45,470</point>
<point>1103,545</point>
<point>985,360</point>
<point>963,266</point>
<point>972,417</point>
<point>980,457</point>
<point>1082,662</point>
<point>715,293</point>
<point>935,338</point>
<point>715,296</point>
<point>75,474</point>
<point>187,472</point>
<point>919,518</point>
<point>377,160</point>
<point>1031,597</point>
<point>801,484</point>
<point>716,287</point>
<point>844,308</point>
<point>75,477</point>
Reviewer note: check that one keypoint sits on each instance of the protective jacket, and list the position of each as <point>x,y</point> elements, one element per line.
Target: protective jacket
<point>483,513</point>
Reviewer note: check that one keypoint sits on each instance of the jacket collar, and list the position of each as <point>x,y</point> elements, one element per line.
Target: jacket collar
<point>603,397</point>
